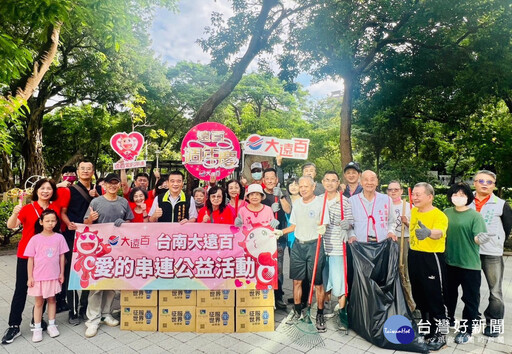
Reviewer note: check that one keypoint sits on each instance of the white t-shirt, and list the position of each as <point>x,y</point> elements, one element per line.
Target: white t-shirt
<point>397,210</point>
<point>306,217</point>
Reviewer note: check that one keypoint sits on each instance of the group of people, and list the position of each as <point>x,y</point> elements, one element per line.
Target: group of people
<point>446,249</point>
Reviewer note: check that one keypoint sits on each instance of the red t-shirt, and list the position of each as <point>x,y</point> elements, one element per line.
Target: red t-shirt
<point>63,198</point>
<point>137,217</point>
<point>149,201</point>
<point>226,217</point>
<point>28,216</point>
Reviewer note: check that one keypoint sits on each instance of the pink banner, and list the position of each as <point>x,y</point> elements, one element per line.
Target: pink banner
<point>153,256</point>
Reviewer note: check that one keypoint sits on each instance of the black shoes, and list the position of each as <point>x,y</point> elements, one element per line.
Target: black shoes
<point>436,342</point>
<point>280,305</point>
<point>10,334</point>
<point>62,306</point>
<point>489,333</point>
<point>320,323</point>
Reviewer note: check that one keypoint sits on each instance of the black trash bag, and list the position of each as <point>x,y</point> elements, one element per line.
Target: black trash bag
<point>376,294</point>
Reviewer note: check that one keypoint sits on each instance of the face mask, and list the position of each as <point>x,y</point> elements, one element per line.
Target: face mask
<point>69,178</point>
<point>257,175</point>
<point>459,201</point>
<point>199,205</point>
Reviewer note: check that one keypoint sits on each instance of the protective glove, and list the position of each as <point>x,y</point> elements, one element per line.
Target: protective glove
<point>275,207</point>
<point>484,237</point>
<point>344,224</point>
<point>277,192</point>
<point>278,233</point>
<point>274,223</point>
<point>321,229</point>
<point>118,222</point>
<point>238,221</point>
<point>423,232</point>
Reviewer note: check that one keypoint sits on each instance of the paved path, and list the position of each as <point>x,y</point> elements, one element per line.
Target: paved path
<point>113,340</point>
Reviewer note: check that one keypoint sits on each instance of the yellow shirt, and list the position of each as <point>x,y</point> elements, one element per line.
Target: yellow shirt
<point>433,219</point>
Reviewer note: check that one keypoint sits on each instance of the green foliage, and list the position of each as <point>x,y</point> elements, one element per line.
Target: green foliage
<point>5,212</point>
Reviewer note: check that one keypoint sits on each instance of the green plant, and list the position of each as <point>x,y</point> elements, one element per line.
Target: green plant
<point>5,212</point>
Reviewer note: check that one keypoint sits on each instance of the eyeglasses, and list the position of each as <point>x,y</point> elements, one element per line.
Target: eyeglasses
<point>393,189</point>
<point>488,182</point>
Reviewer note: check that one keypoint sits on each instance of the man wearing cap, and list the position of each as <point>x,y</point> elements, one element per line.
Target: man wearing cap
<point>105,209</point>
<point>352,174</point>
<point>306,222</point>
<point>373,221</point>
<point>498,219</point>
<point>174,205</point>
<point>80,196</point>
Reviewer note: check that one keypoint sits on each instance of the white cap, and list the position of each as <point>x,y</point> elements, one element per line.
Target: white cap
<point>255,188</point>
<point>256,165</point>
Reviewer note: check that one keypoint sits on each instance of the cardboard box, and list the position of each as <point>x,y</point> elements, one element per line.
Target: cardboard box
<point>216,298</point>
<point>255,319</point>
<point>215,320</point>
<point>139,297</point>
<point>254,298</point>
<point>177,298</point>
<point>139,318</point>
<point>176,318</point>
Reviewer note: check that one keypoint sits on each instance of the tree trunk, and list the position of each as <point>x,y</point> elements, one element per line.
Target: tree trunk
<point>345,122</point>
<point>32,147</point>
<point>6,179</point>
<point>259,40</point>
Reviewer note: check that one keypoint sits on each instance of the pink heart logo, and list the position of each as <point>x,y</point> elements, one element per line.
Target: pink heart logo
<point>238,283</point>
<point>128,146</point>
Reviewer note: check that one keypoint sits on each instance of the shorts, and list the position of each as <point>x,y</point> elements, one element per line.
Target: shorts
<point>302,261</point>
<point>334,275</point>
<point>45,288</point>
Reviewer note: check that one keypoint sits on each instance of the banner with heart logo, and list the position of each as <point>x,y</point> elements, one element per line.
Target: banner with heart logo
<point>128,146</point>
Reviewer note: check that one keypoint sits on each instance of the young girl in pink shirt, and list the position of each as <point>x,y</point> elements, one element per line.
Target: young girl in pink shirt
<point>45,252</point>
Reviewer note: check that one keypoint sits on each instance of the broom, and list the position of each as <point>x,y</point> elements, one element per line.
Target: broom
<point>304,332</point>
<point>342,314</point>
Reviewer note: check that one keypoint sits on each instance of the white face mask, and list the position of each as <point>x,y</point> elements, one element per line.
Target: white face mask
<point>459,201</point>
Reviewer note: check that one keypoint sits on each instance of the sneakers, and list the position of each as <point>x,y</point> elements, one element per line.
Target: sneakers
<point>110,321</point>
<point>91,331</point>
<point>37,335</point>
<point>296,316</point>
<point>489,333</point>
<point>53,331</point>
<point>10,334</point>
<point>437,342</point>
<point>74,320</point>
<point>328,310</point>
<point>320,323</point>
<point>462,338</point>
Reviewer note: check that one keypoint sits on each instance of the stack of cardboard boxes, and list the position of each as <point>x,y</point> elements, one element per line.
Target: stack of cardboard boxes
<point>203,311</point>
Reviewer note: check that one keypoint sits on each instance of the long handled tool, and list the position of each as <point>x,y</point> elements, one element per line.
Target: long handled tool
<point>304,332</point>
<point>343,314</point>
<point>401,267</point>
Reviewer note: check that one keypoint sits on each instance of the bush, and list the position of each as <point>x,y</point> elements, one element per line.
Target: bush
<point>5,212</point>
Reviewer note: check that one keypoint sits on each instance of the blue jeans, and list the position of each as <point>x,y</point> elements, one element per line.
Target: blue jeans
<point>493,268</point>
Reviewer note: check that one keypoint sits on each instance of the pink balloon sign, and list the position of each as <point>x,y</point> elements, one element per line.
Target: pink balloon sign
<point>210,149</point>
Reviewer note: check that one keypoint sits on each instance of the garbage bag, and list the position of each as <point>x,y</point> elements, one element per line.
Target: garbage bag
<point>376,295</point>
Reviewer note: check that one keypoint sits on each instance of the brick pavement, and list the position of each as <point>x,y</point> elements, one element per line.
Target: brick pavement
<point>113,340</point>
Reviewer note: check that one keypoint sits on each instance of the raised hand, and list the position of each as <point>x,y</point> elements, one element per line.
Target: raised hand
<point>423,232</point>
<point>93,215</point>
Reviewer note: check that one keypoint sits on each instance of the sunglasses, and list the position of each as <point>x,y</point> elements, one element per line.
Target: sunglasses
<point>488,182</point>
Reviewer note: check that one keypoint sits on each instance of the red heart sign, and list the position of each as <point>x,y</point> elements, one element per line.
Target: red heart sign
<point>127,146</point>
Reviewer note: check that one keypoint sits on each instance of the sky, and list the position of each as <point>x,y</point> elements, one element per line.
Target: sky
<point>174,38</point>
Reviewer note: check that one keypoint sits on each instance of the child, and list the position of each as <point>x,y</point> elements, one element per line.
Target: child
<point>255,212</point>
<point>46,261</point>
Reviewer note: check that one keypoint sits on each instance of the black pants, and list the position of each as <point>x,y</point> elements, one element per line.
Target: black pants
<point>428,283</point>
<point>470,281</point>
<point>20,293</point>
<point>76,303</point>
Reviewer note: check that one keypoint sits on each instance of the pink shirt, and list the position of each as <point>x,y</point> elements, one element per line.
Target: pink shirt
<point>46,251</point>
<point>260,217</point>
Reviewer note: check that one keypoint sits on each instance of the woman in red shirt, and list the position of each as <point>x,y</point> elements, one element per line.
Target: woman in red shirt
<point>216,211</point>
<point>137,202</point>
<point>44,197</point>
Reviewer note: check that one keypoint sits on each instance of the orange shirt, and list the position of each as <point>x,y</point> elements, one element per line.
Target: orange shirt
<point>480,203</point>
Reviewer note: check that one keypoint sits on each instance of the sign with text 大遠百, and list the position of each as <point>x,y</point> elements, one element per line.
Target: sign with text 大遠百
<point>295,148</point>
